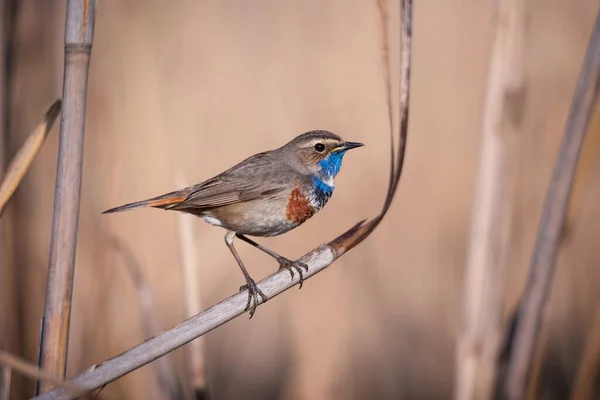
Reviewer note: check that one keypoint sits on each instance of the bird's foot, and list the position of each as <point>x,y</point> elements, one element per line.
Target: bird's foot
<point>290,265</point>
<point>253,293</point>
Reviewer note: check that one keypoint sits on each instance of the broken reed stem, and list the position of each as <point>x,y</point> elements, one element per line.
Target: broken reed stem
<point>273,285</point>
<point>79,32</point>
<point>21,162</point>
<point>543,260</point>
<point>488,248</point>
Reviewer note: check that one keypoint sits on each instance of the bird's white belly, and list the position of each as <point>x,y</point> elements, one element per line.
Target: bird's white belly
<point>266,219</point>
<point>258,218</point>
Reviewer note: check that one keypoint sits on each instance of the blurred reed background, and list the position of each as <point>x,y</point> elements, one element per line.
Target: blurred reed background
<point>189,88</point>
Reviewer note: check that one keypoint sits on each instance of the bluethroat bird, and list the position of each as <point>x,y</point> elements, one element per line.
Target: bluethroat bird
<point>265,195</point>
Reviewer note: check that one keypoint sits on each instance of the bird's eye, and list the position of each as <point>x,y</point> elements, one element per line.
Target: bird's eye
<point>319,147</point>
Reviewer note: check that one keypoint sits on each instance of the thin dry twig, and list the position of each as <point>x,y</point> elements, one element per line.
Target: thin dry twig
<point>21,162</point>
<point>191,294</point>
<point>543,261</point>
<point>278,282</point>
<point>479,341</point>
<point>363,229</point>
<point>61,268</point>
<point>12,362</point>
<point>165,371</point>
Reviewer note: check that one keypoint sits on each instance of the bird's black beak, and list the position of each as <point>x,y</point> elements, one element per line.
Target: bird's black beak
<point>348,146</point>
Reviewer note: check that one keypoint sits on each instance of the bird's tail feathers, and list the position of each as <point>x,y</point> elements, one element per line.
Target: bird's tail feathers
<point>163,201</point>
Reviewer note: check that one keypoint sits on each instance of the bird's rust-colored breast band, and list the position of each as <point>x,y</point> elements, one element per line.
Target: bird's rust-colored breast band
<point>298,207</point>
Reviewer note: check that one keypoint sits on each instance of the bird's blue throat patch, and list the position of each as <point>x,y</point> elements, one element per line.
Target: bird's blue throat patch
<point>330,167</point>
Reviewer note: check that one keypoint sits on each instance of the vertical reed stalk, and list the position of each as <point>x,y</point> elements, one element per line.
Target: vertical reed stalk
<point>79,33</point>
<point>492,210</point>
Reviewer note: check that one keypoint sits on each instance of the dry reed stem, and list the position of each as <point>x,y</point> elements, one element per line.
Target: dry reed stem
<point>479,341</point>
<point>12,362</point>
<point>278,282</point>
<point>79,32</point>
<point>191,293</point>
<point>165,371</point>
<point>543,261</point>
<point>20,163</point>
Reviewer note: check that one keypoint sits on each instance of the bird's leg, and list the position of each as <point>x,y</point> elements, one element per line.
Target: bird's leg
<point>253,290</point>
<point>283,262</point>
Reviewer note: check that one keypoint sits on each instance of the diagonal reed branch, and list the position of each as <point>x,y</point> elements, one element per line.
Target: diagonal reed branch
<point>276,283</point>
<point>79,33</point>
<point>22,160</point>
<point>543,260</point>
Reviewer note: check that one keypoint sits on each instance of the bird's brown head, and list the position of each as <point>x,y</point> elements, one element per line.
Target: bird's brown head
<point>319,152</point>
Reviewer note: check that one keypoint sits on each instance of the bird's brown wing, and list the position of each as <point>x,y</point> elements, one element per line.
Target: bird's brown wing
<point>258,176</point>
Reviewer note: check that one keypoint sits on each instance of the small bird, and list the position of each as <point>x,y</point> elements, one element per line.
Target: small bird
<point>267,194</point>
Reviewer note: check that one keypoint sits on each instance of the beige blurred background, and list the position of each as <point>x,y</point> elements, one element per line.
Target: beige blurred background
<point>191,87</point>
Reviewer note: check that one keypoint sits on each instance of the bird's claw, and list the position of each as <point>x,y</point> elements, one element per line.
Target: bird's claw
<point>253,293</point>
<point>284,263</point>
